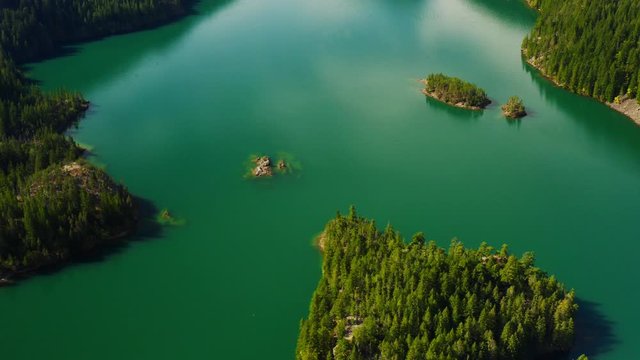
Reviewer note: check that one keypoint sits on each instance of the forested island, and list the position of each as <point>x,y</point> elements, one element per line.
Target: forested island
<point>514,108</point>
<point>454,91</point>
<point>590,48</point>
<point>382,298</point>
<point>55,207</point>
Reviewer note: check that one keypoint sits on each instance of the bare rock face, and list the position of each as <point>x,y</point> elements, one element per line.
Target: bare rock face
<point>263,167</point>
<point>282,165</point>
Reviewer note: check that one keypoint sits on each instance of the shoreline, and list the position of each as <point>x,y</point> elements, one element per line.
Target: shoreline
<point>61,48</point>
<point>436,97</point>
<point>116,236</point>
<point>14,277</point>
<point>628,107</point>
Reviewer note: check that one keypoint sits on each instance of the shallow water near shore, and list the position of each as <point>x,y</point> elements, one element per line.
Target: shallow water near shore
<point>177,111</point>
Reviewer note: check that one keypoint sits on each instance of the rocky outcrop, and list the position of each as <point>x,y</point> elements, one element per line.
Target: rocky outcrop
<point>627,106</point>
<point>263,167</point>
<point>514,108</point>
<point>515,114</point>
<point>352,324</point>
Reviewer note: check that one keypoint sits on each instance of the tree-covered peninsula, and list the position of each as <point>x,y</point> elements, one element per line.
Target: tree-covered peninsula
<point>382,298</point>
<point>454,91</point>
<point>591,48</point>
<point>54,207</point>
<point>32,29</point>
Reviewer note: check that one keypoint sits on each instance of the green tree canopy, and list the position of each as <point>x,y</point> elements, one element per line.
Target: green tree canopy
<point>380,298</point>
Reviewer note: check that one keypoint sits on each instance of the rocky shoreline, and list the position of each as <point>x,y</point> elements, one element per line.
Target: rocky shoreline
<point>514,115</point>
<point>628,107</point>
<point>264,166</point>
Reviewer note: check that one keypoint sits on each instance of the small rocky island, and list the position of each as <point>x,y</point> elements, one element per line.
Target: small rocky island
<point>454,91</point>
<point>514,108</point>
<point>264,166</point>
<point>166,218</point>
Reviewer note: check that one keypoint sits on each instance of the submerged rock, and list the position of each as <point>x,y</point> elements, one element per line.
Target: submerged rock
<point>166,218</point>
<point>282,165</point>
<point>165,215</point>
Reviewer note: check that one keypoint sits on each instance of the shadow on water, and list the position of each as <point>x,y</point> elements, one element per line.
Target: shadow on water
<point>515,12</point>
<point>598,121</point>
<point>110,61</point>
<point>515,123</point>
<point>455,112</point>
<point>148,228</point>
<point>594,333</point>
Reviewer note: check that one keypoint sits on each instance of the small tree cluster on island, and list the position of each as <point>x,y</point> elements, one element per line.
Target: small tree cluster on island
<point>455,91</point>
<point>514,108</point>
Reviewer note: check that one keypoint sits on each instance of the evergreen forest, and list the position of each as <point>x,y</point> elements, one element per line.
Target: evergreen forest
<point>33,29</point>
<point>53,205</point>
<point>453,90</point>
<point>589,47</point>
<point>382,298</point>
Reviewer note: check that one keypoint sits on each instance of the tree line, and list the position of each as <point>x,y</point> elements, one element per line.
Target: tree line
<point>589,47</point>
<point>32,29</point>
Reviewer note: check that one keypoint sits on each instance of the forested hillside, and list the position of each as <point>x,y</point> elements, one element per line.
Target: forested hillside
<point>380,298</point>
<point>589,47</point>
<point>53,206</point>
<point>35,28</point>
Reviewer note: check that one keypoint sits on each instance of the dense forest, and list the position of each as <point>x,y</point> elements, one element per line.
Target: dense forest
<point>382,298</point>
<point>454,91</point>
<point>32,29</point>
<point>589,47</point>
<point>53,205</point>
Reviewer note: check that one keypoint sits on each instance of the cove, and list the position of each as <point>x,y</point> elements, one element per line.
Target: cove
<point>178,110</point>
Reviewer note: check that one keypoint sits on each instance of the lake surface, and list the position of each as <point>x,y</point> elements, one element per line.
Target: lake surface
<point>178,111</point>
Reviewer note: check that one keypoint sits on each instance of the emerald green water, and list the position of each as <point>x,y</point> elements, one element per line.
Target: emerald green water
<point>178,110</point>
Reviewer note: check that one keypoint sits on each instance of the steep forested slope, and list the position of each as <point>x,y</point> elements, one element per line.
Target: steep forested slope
<point>53,206</point>
<point>589,47</point>
<point>35,28</point>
